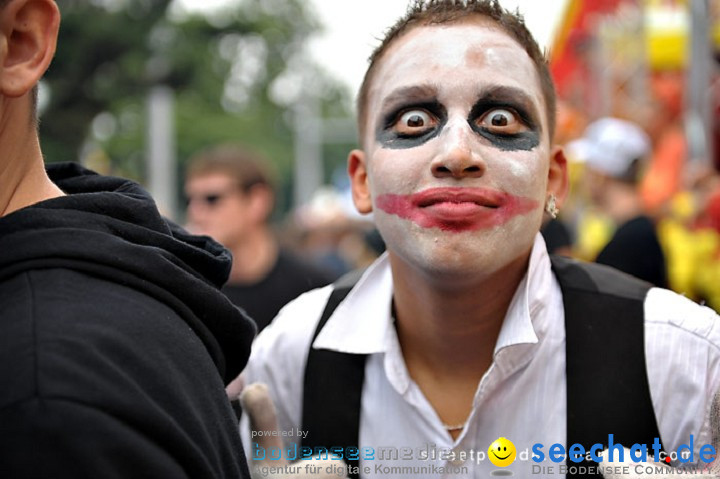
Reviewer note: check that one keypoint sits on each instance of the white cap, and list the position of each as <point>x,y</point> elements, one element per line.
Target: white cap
<point>611,145</point>
<point>578,150</point>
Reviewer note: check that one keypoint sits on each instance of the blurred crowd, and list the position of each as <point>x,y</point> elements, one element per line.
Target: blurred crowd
<point>623,169</point>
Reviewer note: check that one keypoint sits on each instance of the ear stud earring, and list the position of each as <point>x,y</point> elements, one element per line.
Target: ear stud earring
<point>551,206</point>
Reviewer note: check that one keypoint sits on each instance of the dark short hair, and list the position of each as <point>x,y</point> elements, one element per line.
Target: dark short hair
<point>248,168</point>
<point>434,12</point>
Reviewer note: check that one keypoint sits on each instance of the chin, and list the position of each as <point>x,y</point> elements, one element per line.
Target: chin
<point>471,255</point>
<point>454,265</point>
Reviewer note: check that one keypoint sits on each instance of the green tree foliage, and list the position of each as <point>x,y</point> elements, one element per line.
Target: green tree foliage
<point>235,72</point>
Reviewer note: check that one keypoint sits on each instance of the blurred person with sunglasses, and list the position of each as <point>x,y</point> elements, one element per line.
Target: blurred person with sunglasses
<point>230,197</point>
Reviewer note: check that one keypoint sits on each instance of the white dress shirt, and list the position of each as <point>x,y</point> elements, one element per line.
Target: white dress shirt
<point>521,397</point>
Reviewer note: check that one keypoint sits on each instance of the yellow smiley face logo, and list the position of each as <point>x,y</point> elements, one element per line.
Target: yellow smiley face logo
<point>502,452</point>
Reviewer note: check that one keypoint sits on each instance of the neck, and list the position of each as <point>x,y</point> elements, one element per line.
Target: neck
<point>450,327</point>
<point>448,335</point>
<point>254,257</point>
<point>23,180</point>
<point>623,203</point>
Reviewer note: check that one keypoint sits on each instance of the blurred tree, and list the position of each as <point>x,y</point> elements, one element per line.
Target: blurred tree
<point>236,74</point>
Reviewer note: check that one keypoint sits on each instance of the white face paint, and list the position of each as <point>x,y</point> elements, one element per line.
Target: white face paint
<point>519,169</point>
<point>457,149</point>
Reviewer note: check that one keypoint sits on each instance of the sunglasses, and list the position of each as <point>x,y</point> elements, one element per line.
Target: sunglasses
<point>210,199</point>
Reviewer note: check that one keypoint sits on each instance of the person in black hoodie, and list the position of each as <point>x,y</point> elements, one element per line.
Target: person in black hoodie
<point>115,342</point>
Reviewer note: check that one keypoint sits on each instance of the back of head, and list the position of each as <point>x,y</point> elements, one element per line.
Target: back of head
<point>437,12</point>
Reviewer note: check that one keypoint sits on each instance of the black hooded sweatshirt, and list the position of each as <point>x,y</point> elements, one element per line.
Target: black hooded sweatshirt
<point>115,342</point>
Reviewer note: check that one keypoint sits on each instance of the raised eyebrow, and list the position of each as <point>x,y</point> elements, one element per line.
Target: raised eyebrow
<point>409,94</point>
<point>510,96</point>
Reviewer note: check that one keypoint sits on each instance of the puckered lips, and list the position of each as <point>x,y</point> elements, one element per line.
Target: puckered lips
<point>456,209</point>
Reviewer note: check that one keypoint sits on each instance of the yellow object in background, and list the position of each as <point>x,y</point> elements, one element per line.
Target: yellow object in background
<point>708,274</point>
<point>681,256</point>
<point>593,233</point>
<point>692,255</point>
<point>667,32</point>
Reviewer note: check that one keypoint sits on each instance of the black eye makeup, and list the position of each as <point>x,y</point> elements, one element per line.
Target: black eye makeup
<point>504,116</point>
<point>505,121</point>
<point>411,125</point>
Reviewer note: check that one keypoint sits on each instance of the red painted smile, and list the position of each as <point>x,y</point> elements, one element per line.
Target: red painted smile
<point>456,209</point>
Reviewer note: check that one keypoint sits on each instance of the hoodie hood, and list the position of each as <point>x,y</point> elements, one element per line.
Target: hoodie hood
<point>111,228</point>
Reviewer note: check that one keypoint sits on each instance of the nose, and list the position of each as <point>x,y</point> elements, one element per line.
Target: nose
<point>195,210</point>
<point>457,158</point>
<point>192,217</point>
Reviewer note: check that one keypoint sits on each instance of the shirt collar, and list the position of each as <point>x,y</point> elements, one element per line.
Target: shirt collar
<point>362,323</point>
<point>518,326</point>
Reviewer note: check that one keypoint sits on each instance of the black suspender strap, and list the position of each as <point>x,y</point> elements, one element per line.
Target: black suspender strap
<point>607,385</point>
<point>333,388</point>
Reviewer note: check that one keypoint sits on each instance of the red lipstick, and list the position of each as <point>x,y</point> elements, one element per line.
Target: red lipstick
<point>457,209</point>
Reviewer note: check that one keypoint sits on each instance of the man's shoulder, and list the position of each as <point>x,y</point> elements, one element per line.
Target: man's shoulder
<point>661,306</point>
<point>681,316</point>
<point>639,226</point>
<point>17,340</point>
<point>308,273</point>
<point>294,326</point>
<point>598,279</point>
<point>79,296</point>
<point>284,345</point>
<point>60,323</point>
<point>682,353</point>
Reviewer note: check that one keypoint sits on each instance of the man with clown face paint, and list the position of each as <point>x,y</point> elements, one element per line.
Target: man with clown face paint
<point>466,330</point>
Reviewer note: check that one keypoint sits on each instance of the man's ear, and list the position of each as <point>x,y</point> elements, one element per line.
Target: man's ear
<point>558,175</point>
<point>261,200</point>
<point>28,30</point>
<point>357,170</point>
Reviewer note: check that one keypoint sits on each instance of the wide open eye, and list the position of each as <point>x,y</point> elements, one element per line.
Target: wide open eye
<point>414,122</point>
<point>501,120</point>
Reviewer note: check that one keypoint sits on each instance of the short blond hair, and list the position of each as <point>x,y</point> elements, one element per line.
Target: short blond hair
<point>248,168</point>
